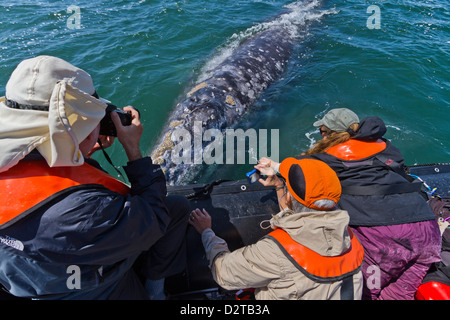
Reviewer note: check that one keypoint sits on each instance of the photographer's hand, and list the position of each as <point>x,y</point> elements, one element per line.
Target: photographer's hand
<point>106,142</point>
<point>129,136</point>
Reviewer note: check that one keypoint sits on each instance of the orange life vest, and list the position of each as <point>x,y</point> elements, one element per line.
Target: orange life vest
<point>29,183</point>
<point>316,266</point>
<point>357,149</point>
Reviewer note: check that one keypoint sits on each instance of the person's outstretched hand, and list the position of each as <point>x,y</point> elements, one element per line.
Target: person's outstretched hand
<point>267,167</point>
<point>200,220</point>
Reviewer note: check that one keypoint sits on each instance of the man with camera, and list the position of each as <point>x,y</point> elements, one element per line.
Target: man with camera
<point>68,230</point>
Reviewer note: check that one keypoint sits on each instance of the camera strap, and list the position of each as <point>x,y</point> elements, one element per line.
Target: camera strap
<point>110,161</point>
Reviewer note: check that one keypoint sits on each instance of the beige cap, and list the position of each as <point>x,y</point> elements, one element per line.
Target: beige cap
<point>48,105</point>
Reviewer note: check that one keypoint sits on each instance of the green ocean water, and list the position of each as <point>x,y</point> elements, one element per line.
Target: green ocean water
<point>149,53</point>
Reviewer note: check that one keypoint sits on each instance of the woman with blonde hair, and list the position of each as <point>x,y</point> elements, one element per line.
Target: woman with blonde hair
<point>391,219</point>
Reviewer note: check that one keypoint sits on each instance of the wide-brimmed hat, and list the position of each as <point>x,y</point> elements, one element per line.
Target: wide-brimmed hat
<point>338,120</point>
<point>310,180</point>
<point>50,105</point>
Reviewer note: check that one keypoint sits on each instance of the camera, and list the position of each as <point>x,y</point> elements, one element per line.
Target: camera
<point>253,176</point>
<point>107,127</point>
